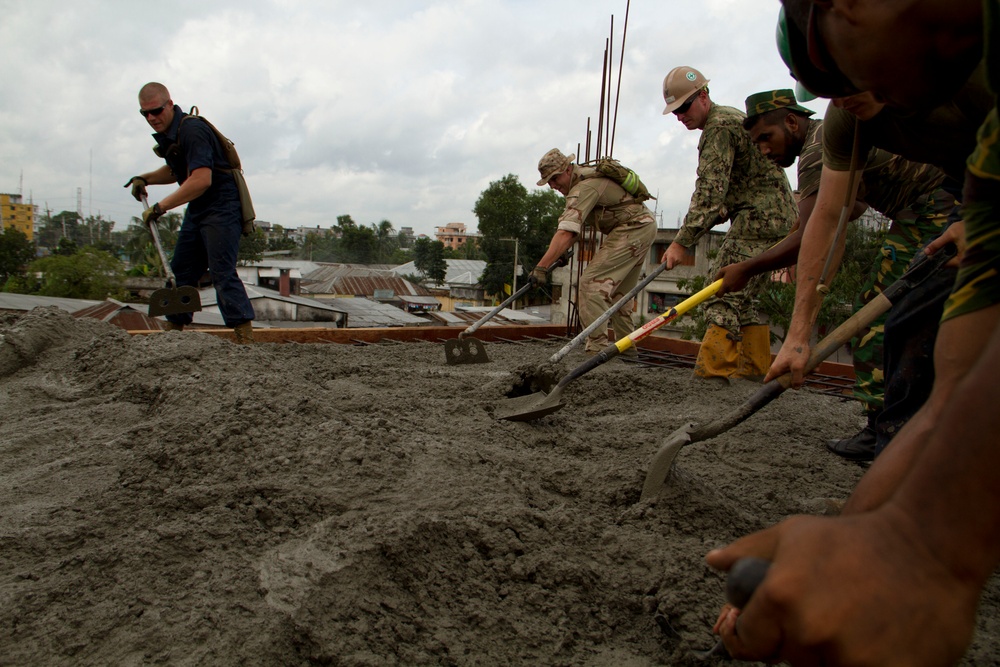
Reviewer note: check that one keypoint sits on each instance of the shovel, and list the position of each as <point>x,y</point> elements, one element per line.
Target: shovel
<point>171,299</point>
<point>539,404</point>
<point>606,315</point>
<point>659,468</point>
<point>465,350</point>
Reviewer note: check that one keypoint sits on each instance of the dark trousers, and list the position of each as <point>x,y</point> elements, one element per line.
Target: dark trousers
<point>910,333</point>
<point>212,244</point>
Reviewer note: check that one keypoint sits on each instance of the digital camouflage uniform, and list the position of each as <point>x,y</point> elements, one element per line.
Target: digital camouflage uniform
<point>736,183</point>
<point>629,229</point>
<point>909,194</point>
<point>978,282</point>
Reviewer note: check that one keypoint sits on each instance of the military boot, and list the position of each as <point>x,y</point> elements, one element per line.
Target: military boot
<point>244,333</point>
<point>170,326</point>
<point>858,447</point>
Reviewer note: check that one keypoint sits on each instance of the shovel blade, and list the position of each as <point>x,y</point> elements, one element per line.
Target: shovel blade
<point>465,351</point>
<point>174,300</point>
<point>659,468</point>
<point>530,407</point>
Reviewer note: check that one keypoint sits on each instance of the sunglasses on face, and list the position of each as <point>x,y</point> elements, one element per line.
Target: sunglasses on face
<point>682,109</point>
<point>146,113</point>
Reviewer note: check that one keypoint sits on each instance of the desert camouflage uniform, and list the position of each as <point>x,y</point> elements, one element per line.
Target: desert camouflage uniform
<point>629,228</point>
<point>736,183</point>
<point>909,194</point>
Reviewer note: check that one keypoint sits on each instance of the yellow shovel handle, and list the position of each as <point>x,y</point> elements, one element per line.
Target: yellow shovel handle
<point>682,308</point>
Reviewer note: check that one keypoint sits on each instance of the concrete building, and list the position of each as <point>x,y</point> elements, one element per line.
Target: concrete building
<point>454,236</point>
<point>15,214</point>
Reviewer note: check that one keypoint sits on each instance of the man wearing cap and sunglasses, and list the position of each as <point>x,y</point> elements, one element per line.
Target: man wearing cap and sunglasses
<point>736,183</point>
<point>896,579</point>
<point>209,238</point>
<point>629,229</point>
<point>908,193</point>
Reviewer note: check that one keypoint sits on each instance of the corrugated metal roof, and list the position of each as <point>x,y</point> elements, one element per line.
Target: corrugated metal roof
<point>32,301</point>
<point>326,272</point>
<point>366,286</point>
<point>460,271</point>
<point>363,313</point>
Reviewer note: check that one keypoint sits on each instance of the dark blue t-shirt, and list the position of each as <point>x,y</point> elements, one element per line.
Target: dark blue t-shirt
<point>190,145</point>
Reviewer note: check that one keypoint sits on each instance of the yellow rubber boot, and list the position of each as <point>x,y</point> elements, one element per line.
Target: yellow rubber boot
<point>755,351</point>
<point>719,354</point>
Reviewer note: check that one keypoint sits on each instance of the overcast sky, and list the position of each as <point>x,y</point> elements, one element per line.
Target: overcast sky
<point>383,110</point>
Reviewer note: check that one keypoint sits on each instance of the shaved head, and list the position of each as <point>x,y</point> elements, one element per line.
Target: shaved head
<point>153,92</point>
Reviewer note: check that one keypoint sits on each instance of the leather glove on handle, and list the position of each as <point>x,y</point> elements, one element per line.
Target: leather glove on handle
<point>152,214</point>
<point>138,185</point>
<point>540,276</point>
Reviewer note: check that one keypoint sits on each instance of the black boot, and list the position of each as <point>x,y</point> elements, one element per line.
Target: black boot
<point>859,447</point>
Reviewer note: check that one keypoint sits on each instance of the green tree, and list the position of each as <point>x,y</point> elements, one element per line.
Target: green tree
<point>428,257</point>
<point>87,274</point>
<point>252,248</point>
<point>139,249</point>
<point>16,251</point>
<point>386,240</point>
<point>505,211</point>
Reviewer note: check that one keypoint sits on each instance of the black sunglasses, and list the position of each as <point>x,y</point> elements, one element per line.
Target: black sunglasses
<point>146,113</point>
<point>684,107</point>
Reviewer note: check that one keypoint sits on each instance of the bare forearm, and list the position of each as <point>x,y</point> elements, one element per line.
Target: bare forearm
<point>561,242</point>
<point>193,187</point>
<point>953,488</point>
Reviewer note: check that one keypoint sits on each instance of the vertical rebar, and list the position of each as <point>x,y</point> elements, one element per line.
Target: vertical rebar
<point>621,61</point>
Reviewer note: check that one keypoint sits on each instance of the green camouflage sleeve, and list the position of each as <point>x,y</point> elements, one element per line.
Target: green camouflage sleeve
<point>716,152</point>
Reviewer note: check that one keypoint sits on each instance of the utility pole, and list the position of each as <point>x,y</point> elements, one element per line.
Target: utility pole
<point>513,288</point>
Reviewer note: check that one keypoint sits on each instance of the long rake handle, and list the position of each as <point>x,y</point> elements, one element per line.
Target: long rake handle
<point>171,279</point>
<point>606,315</point>
<point>485,318</point>
<point>619,346</point>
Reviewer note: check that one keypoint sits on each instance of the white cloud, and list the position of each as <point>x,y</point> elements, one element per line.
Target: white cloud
<point>403,111</point>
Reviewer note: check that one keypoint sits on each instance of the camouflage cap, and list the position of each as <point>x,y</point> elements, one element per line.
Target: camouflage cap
<point>551,164</point>
<point>771,100</point>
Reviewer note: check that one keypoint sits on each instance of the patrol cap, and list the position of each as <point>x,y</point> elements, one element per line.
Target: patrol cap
<point>552,163</point>
<point>680,85</point>
<point>771,100</point>
<point>802,49</point>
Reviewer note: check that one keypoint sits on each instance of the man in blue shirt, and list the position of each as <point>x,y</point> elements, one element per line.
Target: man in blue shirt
<point>209,237</point>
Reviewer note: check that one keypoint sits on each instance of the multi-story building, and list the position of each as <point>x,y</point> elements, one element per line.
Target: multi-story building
<point>15,214</point>
<point>454,236</point>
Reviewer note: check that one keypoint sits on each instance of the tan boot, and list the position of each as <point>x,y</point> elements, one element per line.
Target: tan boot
<point>244,333</point>
<point>170,326</point>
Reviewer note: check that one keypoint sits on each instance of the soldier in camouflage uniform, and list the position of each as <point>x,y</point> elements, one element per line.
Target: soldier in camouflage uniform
<point>908,193</point>
<point>735,183</point>
<point>628,228</point>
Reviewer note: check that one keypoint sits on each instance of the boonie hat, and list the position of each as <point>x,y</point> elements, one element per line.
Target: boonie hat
<point>784,98</point>
<point>551,164</point>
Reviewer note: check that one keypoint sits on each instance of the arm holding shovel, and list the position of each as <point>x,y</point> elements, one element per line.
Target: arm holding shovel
<point>818,238</point>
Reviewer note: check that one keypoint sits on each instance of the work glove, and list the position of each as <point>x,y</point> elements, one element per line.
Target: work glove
<point>540,276</point>
<point>152,214</point>
<point>138,185</point>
